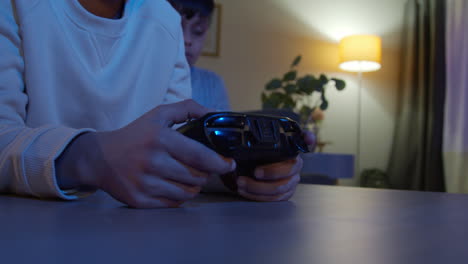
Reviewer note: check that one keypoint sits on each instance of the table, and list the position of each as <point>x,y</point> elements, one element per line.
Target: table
<point>322,224</point>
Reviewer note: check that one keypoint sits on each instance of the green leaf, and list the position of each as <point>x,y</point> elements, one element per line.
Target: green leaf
<point>273,84</point>
<point>296,61</point>
<point>324,105</point>
<point>323,96</point>
<point>290,88</point>
<point>300,84</point>
<point>267,105</point>
<point>305,112</point>
<point>264,97</point>
<point>306,84</point>
<point>274,100</point>
<point>323,80</point>
<point>288,102</point>
<point>317,85</point>
<point>339,84</point>
<point>290,76</point>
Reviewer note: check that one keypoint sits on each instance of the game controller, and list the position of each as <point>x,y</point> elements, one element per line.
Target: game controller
<point>250,139</point>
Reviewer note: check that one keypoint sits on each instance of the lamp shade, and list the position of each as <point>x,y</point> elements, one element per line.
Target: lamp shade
<point>360,53</point>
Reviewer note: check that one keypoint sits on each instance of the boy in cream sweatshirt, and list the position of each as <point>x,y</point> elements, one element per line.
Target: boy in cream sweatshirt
<point>89,91</point>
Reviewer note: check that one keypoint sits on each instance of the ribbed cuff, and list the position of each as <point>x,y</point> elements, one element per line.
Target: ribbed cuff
<point>38,162</point>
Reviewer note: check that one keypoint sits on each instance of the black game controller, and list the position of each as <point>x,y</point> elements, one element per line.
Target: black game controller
<point>250,139</point>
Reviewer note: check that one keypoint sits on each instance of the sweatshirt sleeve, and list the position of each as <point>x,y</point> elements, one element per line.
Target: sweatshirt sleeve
<point>27,155</point>
<point>179,85</point>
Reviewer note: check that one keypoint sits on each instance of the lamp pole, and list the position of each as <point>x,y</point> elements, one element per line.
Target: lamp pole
<point>360,53</point>
<point>358,136</point>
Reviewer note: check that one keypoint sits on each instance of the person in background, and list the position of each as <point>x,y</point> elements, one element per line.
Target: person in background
<point>208,88</point>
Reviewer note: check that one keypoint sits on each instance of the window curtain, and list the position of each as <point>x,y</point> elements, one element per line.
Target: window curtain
<point>416,158</point>
<point>455,151</point>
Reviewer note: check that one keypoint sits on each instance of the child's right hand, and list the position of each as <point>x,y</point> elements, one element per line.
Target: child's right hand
<point>145,164</point>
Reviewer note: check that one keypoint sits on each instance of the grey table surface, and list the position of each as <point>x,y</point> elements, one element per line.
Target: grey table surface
<point>321,224</point>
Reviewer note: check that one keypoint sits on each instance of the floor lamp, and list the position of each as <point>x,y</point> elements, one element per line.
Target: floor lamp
<point>360,53</point>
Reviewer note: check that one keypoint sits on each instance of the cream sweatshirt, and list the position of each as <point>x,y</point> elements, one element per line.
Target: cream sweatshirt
<point>65,71</point>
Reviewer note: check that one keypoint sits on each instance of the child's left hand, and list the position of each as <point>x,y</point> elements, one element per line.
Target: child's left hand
<point>274,182</point>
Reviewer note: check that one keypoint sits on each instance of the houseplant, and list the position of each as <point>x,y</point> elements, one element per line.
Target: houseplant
<point>304,95</point>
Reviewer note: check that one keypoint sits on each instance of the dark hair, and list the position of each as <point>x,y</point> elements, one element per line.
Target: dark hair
<point>190,8</point>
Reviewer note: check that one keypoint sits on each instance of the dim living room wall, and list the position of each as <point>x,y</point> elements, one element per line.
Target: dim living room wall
<point>260,38</point>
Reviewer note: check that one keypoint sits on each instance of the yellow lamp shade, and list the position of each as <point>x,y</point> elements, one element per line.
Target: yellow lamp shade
<point>360,53</point>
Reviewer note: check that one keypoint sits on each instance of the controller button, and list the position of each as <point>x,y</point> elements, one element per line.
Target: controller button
<point>250,140</point>
<point>289,126</point>
<point>227,121</point>
<point>226,140</point>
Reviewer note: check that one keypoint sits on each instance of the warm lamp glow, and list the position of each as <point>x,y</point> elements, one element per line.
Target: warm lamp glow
<point>360,53</point>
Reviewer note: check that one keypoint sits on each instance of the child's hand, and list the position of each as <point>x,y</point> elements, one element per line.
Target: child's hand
<point>147,164</point>
<point>274,182</point>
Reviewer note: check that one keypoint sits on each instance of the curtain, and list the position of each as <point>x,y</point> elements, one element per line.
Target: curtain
<point>416,158</point>
<point>456,107</point>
